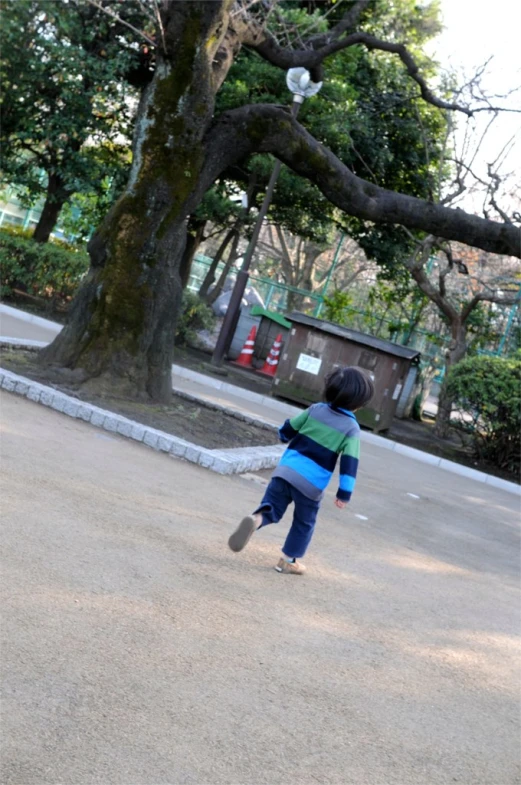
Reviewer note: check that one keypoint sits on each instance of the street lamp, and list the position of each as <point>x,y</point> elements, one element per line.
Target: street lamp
<point>299,83</point>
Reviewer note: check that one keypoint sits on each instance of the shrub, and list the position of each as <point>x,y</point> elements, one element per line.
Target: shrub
<point>195,315</point>
<point>48,270</point>
<point>487,391</point>
<point>336,307</point>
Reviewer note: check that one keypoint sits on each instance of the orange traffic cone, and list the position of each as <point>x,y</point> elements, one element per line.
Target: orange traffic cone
<point>270,366</point>
<point>245,356</point>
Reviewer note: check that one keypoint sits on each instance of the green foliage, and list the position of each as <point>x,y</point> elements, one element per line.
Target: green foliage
<point>46,270</point>
<point>195,315</point>
<point>368,113</point>
<point>86,209</point>
<point>487,390</point>
<point>63,95</point>
<point>337,307</point>
<point>391,310</point>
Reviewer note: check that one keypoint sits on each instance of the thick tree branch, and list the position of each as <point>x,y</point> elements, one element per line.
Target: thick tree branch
<point>266,128</point>
<point>489,298</point>
<point>428,288</point>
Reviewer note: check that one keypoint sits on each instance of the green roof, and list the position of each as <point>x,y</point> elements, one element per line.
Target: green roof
<point>257,310</point>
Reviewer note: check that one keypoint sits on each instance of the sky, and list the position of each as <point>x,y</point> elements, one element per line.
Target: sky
<point>475,30</point>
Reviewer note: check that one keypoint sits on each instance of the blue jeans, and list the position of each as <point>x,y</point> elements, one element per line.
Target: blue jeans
<point>279,494</point>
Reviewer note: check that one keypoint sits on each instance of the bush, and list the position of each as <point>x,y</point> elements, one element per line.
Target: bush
<point>336,307</point>
<point>195,315</point>
<point>47,270</point>
<point>487,390</point>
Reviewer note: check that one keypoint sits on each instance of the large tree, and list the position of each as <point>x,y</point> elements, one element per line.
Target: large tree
<point>122,322</point>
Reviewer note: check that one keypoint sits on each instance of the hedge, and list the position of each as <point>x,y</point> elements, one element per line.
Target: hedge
<point>487,391</point>
<point>49,270</point>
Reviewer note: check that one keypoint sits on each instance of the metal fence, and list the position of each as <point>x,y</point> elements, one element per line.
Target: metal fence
<point>276,296</point>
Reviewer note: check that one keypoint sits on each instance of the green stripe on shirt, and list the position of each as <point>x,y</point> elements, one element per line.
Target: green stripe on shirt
<point>351,447</point>
<point>323,434</point>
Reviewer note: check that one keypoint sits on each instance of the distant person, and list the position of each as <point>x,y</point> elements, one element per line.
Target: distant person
<point>316,438</point>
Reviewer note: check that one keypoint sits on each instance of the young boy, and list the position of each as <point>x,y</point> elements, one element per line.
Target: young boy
<point>316,438</point>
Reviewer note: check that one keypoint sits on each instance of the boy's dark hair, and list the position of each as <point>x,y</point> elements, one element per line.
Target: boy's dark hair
<point>348,388</point>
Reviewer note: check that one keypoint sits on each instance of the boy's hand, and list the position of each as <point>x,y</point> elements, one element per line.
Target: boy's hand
<point>340,504</point>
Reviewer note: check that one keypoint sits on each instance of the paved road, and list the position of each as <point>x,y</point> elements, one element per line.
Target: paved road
<point>11,327</point>
<point>137,649</point>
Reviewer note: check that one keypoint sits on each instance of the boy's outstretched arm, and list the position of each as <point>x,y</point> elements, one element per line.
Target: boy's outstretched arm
<point>348,468</point>
<point>291,427</point>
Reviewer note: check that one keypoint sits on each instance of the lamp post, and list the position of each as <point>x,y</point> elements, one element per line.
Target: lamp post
<point>299,82</point>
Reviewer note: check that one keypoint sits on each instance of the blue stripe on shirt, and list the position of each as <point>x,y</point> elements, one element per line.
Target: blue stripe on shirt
<point>347,483</point>
<point>307,446</point>
<point>314,473</point>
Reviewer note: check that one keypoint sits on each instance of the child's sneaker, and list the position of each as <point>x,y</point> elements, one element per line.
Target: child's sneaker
<point>240,538</point>
<point>290,567</point>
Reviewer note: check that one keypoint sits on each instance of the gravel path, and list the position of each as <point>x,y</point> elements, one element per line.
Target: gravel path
<point>137,649</point>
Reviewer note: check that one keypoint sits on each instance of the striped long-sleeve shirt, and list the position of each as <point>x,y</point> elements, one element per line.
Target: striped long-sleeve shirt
<point>316,438</point>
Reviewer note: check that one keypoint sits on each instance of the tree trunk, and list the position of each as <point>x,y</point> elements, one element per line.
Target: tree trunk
<point>195,234</point>
<point>122,323</point>
<point>455,353</point>
<point>55,198</point>
<point>232,256</point>
<point>210,275</point>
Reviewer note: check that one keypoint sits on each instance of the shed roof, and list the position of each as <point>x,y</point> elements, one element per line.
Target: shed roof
<point>396,349</point>
<point>257,310</point>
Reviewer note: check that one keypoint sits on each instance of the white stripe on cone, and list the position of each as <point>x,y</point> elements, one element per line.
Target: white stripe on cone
<point>244,358</point>
<point>272,360</point>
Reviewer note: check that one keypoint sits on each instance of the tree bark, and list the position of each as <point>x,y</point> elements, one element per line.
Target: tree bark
<point>55,198</point>
<point>210,275</point>
<point>122,323</point>
<point>232,256</point>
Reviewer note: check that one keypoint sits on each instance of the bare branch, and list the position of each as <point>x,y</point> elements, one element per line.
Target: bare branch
<point>348,21</point>
<point>159,22</point>
<point>115,16</point>
<point>494,186</point>
<point>265,44</point>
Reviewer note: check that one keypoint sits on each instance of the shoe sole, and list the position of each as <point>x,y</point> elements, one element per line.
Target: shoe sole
<point>241,536</point>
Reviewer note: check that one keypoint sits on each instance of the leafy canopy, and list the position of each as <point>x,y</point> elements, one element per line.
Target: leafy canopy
<point>64,93</point>
<point>368,113</point>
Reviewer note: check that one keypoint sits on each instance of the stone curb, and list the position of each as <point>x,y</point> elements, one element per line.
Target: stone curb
<point>229,461</point>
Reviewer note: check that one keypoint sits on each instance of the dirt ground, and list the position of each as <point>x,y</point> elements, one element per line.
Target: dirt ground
<point>194,422</point>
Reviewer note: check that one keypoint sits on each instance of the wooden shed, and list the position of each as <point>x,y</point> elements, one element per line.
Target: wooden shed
<point>314,347</point>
